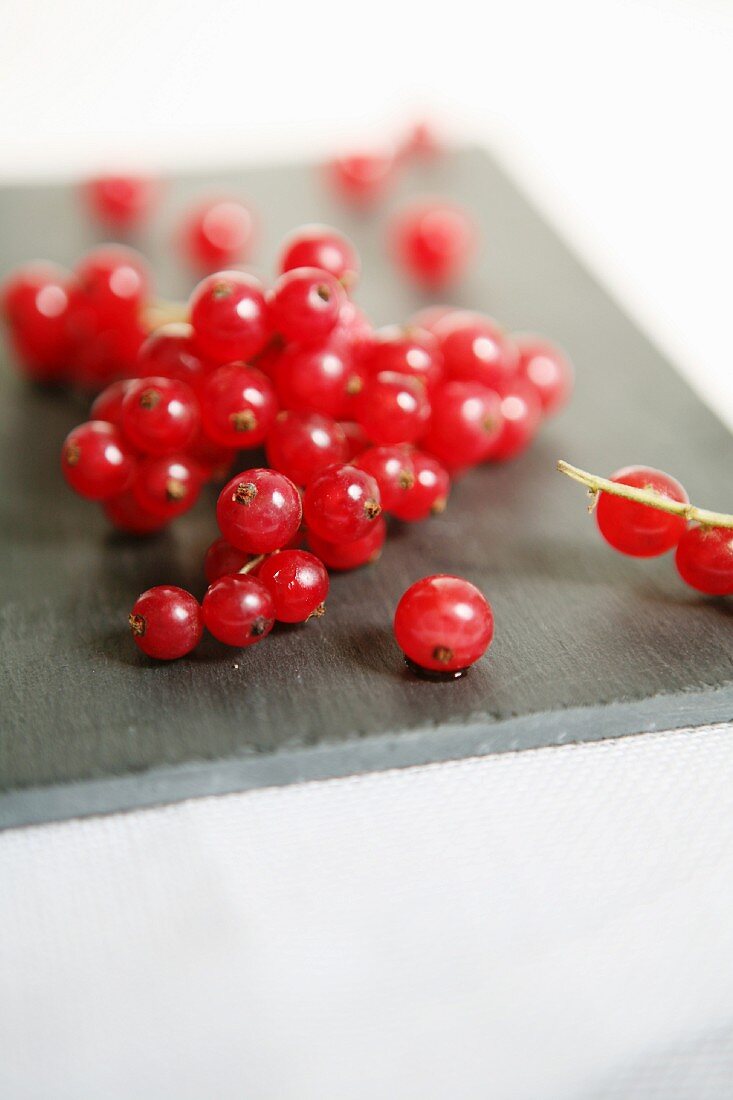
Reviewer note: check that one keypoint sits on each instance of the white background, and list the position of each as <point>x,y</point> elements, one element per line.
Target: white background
<point>556,924</point>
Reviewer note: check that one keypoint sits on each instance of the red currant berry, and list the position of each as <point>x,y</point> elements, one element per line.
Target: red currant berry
<point>239,610</point>
<point>392,408</point>
<point>301,444</point>
<point>476,350</point>
<point>223,559</point>
<point>124,513</point>
<point>322,247</point>
<point>637,529</point>
<point>166,622</point>
<point>35,303</point>
<point>406,350</point>
<point>120,202</point>
<point>433,242</point>
<point>316,379</point>
<point>465,423</point>
<point>428,495</point>
<point>160,416</point>
<point>305,304</point>
<point>341,503</point>
<point>521,411</point>
<point>114,282</point>
<point>108,404</point>
<point>229,316</point>
<point>298,584</point>
<point>351,555</point>
<point>170,352</point>
<point>218,234</point>
<point>96,461</point>
<point>356,439</point>
<point>362,178</point>
<point>704,559</point>
<point>393,471</point>
<point>238,406</point>
<point>548,369</point>
<point>259,511</point>
<point>443,624</point>
<point>167,487</point>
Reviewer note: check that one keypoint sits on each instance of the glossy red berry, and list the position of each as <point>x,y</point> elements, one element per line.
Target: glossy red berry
<point>521,411</point>
<point>114,282</point>
<point>392,408</point>
<point>160,416</point>
<point>34,301</point>
<point>170,352</point>
<point>341,503</point>
<point>167,487</point>
<point>222,559</point>
<point>218,234</point>
<point>361,178</point>
<point>406,350</point>
<point>343,556</point>
<point>316,379</point>
<point>305,303</point>
<point>704,559</point>
<point>322,247</point>
<point>637,529</point>
<point>548,369</point>
<point>298,584</point>
<point>124,513</point>
<point>466,421</point>
<point>443,624</point>
<point>393,470</point>
<point>238,406</point>
<point>259,511</point>
<point>475,349</point>
<point>166,622</point>
<point>229,317</point>
<point>107,405</point>
<point>433,242</point>
<point>239,610</point>
<point>301,444</point>
<point>121,202</point>
<point>428,494</point>
<point>96,461</point>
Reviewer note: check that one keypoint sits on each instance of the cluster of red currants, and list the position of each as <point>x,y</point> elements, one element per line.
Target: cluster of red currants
<point>703,551</point>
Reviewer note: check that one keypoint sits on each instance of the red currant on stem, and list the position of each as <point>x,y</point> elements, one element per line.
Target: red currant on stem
<point>238,406</point>
<point>443,625</point>
<point>298,584</point>
<point>238,610</point>
<point>121,202</point>
<point>305,303</point>
<point>259,511</point>
<point>343,556</point>
<point>217,234</point>
<point>301,444</point>
<point>466,420</point>
<point>96,461</point>
<point>341,503</point>
<point>166,622</point>
<point>704,559</point>
<point>322,247</point>
<point>229,316</point>
<point>160,416</point>
<point>433,241</point>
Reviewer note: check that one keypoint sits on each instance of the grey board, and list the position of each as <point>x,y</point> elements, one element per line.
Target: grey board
<point>588,644</point>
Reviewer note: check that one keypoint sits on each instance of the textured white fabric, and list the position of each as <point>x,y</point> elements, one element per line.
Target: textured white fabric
<point>556,923</point>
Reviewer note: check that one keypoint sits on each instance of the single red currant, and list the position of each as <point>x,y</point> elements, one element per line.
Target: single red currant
<point>704,559</point>
<point>392,408</point>
<point>433,241</point>
<point>341,503</point>
<point>35,303</point>
<point>521,411</point>
<point>301,444</point>
<point>316,379</point>
<point>239,610</point>
<point>167,487</point>
<point>229,316</point>
<point>121,202</point>
<point>223,559</point>
<point>322,247</point>
<point>361,178</point>
<point>393,470</point>
<point>443,624</point>
<point>124,513</point>
<point>466,420</point>
<point>428,494</point>
<point>342,556</point>
<point>96,461</point>
<point>408,351</point>
<point>305,304</point>
<point>114,282</point>
<point>218,234</point>
<point>548,369</point>
<point>108,404</point>
<point>298,584</point>
<point>170,352</point>
<point>238,406</point>
<point>160,416</point>
<point>259,511</point>
<point>476,350</point>
<point>166,622</point>
<point>637,529</point>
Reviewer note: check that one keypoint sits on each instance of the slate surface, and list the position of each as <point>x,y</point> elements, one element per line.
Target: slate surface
<point>589,644</point>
